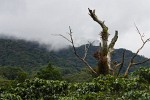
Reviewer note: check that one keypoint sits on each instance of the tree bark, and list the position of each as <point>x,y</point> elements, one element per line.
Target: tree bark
<point>104,54</point>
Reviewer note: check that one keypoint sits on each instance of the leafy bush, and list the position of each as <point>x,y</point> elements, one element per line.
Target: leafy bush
<point>144,73</point>
<point>13,73</point>
<point>103,87</point>
<point>9,96</point>
<point>136,95</point>
<point>49,73</point>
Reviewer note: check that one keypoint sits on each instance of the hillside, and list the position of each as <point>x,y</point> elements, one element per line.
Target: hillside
<point>30,55</point>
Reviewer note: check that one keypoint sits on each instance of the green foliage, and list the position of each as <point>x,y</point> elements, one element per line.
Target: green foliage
<point>30,56</point>
<point>49,73</point>
<point>81,76</point>
<point>13,73</point>
<point>9,96</point>
<point>5,84</point>
<point>103,87</point>
<point>22,76</point>
<point>38,89</point>
<point>136,95</point>
<point>144,73</point>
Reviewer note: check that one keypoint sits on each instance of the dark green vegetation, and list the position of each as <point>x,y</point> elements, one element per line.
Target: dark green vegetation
<point>21,53</point>
<point>26,74</point>
<point>101,88</point>
<point>13,73</point>
<point>31,56</point>
<point>49,73</point>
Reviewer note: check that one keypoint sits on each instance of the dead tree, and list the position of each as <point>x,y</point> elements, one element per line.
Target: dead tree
<point>82,58</point>
<point>105,50</point>
<point>103,55</point>
<point>132,63</point>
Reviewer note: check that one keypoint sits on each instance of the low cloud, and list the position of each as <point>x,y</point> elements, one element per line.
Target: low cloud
<point>38,20</point>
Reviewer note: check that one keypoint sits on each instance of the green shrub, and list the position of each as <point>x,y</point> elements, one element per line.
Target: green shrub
<point>144,73</point>
<point>101,88</point>
<point>49,73</point>
<point>136,95</point>
<point>9,96</point>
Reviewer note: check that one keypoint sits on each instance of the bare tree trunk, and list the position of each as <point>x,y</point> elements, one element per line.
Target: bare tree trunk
<point>104,54</point>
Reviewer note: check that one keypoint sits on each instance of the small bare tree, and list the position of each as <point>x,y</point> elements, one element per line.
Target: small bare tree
<point>132,63</point>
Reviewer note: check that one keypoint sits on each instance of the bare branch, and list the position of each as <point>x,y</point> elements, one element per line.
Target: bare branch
<point>139,33</point>
<point>131,63</point>
<point>86,49</point>
<point>119,64</point>
<point>63,37</point>
<point>139,50</point>
<point>104,34</point>
<point>144,42</point>
<point>114,39</point>
<point>116,66</point>
<point>95,18</point>
<point>122,62</point>
<point>141,62</point>
<point>75,51</point>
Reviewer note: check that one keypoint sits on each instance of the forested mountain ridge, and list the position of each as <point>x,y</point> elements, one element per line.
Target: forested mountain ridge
<point>16,52</point>
<point>22,53</point>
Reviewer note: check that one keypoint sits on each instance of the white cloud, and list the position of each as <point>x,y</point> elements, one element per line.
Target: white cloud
<point>38,19</point>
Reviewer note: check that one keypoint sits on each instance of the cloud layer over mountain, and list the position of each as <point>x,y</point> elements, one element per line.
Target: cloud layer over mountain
<point>39,19</point>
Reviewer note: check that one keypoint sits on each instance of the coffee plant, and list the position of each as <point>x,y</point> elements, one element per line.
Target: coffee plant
<point>101,88</point>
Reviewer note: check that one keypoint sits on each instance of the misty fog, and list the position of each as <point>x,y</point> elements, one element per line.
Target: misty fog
<point>37,20</point>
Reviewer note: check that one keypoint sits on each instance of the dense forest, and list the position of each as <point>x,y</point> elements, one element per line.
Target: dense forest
<point>29,70</point>
<point>30,55</point>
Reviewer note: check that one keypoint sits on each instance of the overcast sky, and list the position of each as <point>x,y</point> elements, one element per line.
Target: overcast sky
<point>39,19</point>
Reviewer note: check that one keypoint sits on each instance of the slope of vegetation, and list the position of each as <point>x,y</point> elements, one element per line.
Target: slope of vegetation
<point>30,56</point>
<point>69,81</point>
<point>15,52</point>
